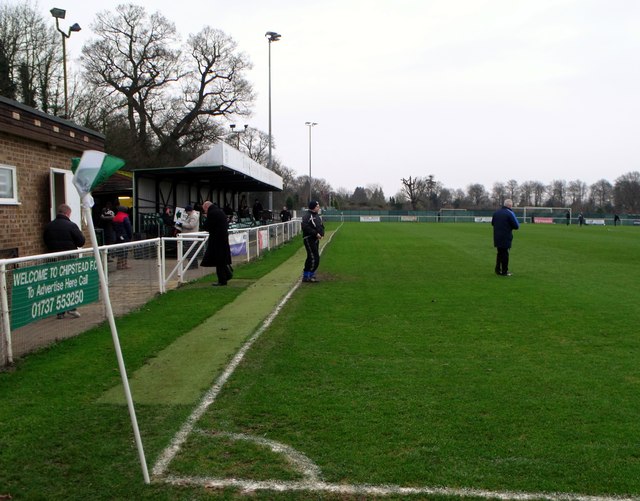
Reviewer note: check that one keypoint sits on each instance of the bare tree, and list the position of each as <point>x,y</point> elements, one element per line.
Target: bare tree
<point>414,189</point>
<point>526,194</point>
<point>601,193</point>
<point>577,193</point>
<point>30,58</point>
<point>626,191</point>
<point>539,190</point>
<point>498,193</point>
<point>170,96</point>
<point>557,191</point>
<point>255,143</point>
<point>513,190</point>
<point>477,195</point>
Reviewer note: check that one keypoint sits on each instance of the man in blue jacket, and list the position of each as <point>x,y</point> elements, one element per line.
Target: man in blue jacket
<point>504,221</point>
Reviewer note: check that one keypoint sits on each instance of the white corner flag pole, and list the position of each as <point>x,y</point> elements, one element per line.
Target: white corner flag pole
<point>86,209</point>
<point>94,167</point>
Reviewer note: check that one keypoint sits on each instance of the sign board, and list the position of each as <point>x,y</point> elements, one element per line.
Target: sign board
<point>369,219</point>
<point>238,243</point>
<point>483,219</point>
<point>406,219</point>
<point>180,215</point>
<point>597,222</point>
<point>543,220</point>
<point>263,239</point>
<point>42,291</point>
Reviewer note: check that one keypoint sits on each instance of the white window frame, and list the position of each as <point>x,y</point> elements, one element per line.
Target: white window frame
<point>64,192</point>
<point>14,177</point>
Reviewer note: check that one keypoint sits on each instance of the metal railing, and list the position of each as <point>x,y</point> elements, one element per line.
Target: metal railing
<point>135,272</point>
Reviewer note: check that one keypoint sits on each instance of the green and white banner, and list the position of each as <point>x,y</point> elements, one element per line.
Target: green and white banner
<point>93,169</point>
<point>42,291</point>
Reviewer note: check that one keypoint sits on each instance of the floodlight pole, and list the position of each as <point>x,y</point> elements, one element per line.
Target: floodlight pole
<point>272,36</point>
<point>310,125</point>
<point>60,14</point>
<point>233,131</point>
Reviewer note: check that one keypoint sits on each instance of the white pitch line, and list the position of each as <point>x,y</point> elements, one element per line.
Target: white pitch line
<point>297,459</point>
<point>248,486</point>
<point>181,436</point>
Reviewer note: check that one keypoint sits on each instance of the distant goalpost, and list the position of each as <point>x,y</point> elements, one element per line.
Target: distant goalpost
<point>545,215</point>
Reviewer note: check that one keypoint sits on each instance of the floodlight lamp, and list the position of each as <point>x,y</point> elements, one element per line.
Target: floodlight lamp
<point>58,13</point>
<point>75,27</point>
<point>272,36</point>
<point>246,126</point>
<point>233,126</point>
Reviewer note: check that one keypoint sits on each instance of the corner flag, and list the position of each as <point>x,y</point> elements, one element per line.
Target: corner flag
<point>94,168</point>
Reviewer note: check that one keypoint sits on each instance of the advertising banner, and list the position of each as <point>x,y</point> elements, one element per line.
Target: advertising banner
<point>263,239</point>
<point>42,291</point>
<point>238,243</point>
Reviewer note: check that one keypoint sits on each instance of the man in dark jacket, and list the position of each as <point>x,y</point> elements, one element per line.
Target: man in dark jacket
<point>504,221</point>
<point>218,252</point>
<point>312,232</point>
<point>62,234</point>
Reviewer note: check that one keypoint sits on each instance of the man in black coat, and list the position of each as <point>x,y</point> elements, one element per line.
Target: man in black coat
<point>218,252</point>
<point>312,232</point>
<point>504,221</point>
<point>62,234</point>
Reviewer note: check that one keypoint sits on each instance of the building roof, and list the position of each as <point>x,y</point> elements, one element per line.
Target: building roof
<point>24,121</point>
<point>221,166</point>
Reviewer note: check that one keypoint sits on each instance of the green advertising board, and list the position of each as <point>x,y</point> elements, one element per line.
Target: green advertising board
<point>42,291</point>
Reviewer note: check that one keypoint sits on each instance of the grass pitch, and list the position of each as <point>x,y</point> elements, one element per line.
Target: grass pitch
<point>411,364</point>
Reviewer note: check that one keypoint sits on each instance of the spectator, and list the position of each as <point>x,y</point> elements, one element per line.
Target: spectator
<point>257,210</point>
<point>218,252</point>
<point>191,224</point>
<point>504,221</point>
<point>285,215</point>
<point>312,232</point>
<point>124,233</point>
<point>106,221</point>
<point>62,234</point>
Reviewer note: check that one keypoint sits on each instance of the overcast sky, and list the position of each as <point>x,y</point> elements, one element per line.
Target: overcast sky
<point>471,91</point>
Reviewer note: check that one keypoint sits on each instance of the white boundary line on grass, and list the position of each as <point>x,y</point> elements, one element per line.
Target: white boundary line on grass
<point>178,440</point>
<point>309,470</point>
<point>248,486</point>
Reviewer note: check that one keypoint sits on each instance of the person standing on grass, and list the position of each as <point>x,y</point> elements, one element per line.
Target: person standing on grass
<point>504,221</point>
<point>62,234</point>
<point>312,233</point>
<point>218,251</point>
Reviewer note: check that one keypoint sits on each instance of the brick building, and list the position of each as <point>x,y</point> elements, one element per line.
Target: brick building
<point>35,173</point>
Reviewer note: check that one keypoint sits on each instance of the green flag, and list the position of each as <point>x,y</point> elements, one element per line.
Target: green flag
<point>93,169</point>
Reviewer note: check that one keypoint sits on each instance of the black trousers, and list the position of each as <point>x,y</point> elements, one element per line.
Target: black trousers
<point>224,273</point>
<point>312,246</point>
<point>502,261</point>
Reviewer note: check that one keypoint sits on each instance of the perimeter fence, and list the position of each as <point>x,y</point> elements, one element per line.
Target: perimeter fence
<point>50,297</point>
<point>478,216</point>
